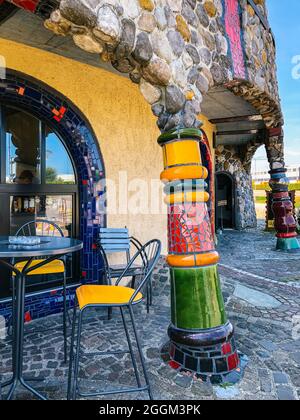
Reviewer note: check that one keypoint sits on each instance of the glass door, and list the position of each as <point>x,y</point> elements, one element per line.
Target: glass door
<point>38,182</point>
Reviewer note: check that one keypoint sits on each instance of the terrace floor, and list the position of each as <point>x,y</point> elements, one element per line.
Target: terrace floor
<point>262,293</point>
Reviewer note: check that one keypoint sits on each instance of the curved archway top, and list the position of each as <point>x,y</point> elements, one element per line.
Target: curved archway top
<point>67,121</point>
<point>176,50</point>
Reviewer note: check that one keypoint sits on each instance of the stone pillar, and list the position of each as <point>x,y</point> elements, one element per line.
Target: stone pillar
<point>283,209</point>
<point>201,337</point>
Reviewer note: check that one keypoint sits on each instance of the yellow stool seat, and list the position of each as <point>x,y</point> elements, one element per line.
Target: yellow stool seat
<point>105,295</point>
<point>54,267</point>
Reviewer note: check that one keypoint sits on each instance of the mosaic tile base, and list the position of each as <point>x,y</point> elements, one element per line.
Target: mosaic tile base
<point>217,364</point>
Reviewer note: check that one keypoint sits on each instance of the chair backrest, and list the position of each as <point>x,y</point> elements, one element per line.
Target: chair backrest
<point>105,268</point>
<point>105,245</point>
<point>40,227</point>
<point>114,240</point>
<point>149,255</point>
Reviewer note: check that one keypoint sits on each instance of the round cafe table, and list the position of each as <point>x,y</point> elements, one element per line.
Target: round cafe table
<point>49,249</point>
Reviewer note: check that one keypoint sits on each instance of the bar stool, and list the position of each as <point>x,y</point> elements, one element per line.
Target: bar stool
<point>117,241</point>
<point>109,296</point>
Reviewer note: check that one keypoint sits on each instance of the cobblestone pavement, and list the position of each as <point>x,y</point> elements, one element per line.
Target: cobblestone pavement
<point>253,251</point>
<point>269,334</point>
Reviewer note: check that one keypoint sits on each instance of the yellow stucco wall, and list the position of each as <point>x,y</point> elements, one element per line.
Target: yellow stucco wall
<point>120,117</point>
<point>209,130</point>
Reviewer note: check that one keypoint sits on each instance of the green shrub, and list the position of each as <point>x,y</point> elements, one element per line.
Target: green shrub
<point>264,186</point>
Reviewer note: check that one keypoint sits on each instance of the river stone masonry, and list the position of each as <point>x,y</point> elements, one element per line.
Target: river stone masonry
<point>237,162</point>
<point>176,50</point>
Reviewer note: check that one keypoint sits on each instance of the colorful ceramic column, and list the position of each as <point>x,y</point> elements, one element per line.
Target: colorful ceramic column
<point>201,337</point>
<point>283,209</point>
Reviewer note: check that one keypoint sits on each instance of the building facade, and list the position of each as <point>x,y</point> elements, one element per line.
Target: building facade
<point>101,80</point>
<point>293,175</point>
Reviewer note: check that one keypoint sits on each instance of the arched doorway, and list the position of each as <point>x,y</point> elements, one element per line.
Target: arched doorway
<point>225,201</point>
<point>52,168</point>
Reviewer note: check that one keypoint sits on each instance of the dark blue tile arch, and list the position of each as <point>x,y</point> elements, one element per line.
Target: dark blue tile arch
<point>65,118</point>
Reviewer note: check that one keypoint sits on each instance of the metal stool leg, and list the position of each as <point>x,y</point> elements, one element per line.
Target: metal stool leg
<point>131,349</point>
<point>71,357</point>
<point>109,314</point>
<point>140,352</point>
<point>77,357</point>
<point>65,312</point>
<point>151,291</point>
<point>13,301</point>
<point>148,299</point>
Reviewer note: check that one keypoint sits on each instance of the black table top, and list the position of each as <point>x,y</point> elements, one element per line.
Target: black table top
<point>48,246</point>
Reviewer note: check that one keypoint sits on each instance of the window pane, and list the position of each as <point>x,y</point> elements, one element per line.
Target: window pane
<point>54,208</point>
<point>59,168</point>
<point>58,209</point>
<point>22,148</point>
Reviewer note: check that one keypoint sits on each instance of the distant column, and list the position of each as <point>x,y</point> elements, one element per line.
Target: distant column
<point>282,206</point>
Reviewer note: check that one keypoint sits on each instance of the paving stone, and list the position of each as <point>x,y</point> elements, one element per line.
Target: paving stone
<point>227,393</point>
<point>264,335</point>
<point>285,393</point>
<point>266,385</point>
<point>296,357</point>
<point>202,388</point>
<point>184,381</point>
<point>52,365</point>
<point>280,378</point>
<point>256,298</point>
<point>268,345</point>
<point>263,354</point>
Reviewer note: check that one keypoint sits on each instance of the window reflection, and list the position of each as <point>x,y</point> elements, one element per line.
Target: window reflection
<point>58,209</point>
<point>54,208</point>
<point>59,168</point>
<point>22,148</point>
<point>33,210</point>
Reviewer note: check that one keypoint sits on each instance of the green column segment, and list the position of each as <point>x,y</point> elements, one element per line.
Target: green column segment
<point>196,298</point>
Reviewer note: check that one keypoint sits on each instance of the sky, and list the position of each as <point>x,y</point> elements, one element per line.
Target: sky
<point>57,156</point>
<point>284,18</point>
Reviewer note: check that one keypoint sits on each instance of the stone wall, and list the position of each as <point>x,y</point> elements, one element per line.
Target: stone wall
<point>125,128</point>
<point>260,50</point>
<point>237,161</point>
<point>176,50</point>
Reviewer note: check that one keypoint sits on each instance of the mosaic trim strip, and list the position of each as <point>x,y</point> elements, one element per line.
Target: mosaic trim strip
<point>219,364</point>
<point>207,161</point>
<point>189,229</point>
<point>232,21</point>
